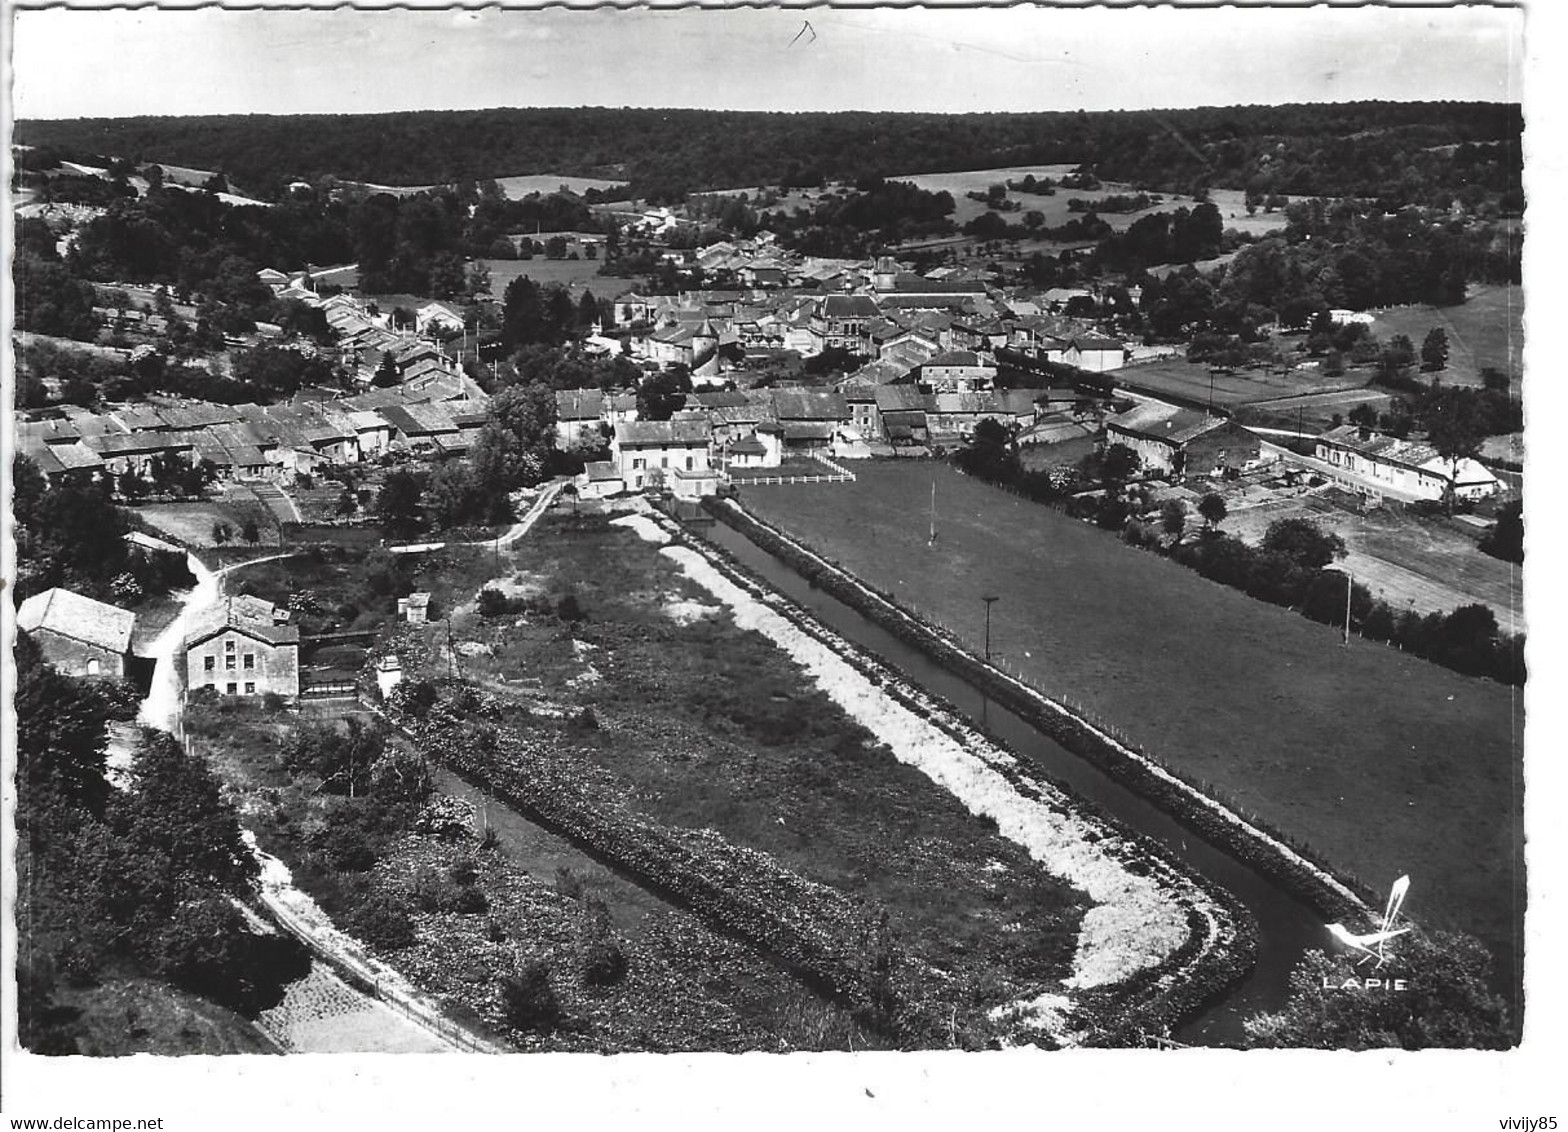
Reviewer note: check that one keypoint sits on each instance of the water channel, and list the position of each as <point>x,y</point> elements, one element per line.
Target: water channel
<point>1286,927</point>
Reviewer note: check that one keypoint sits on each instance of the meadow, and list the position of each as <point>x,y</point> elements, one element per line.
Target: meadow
<point>1230,202</point>
<point>1381,762</point>
<point>576,275</point>
<point>1194,384</point>
<point>1485,331</point>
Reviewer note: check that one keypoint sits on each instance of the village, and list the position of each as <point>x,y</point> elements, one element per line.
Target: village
<point>736,594</point>
<point>939,354</point>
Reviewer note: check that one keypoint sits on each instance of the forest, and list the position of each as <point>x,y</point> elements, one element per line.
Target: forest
<point>1416,152</point>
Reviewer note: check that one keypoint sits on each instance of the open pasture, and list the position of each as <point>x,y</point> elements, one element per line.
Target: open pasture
<point>1381,762</point>
<point>1192,382</point>
<point>1486,331</point>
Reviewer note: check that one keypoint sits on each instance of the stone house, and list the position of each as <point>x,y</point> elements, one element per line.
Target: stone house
<point>243,646</point>
<point>77,635</point>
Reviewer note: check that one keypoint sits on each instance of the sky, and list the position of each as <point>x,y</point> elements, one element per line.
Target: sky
<point>107,63</point>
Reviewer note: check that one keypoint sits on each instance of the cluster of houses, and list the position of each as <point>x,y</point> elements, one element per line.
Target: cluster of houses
<point>437,411</point>
<point>869,309</point>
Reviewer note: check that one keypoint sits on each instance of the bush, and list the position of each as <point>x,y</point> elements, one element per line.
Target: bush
<point>567,609</point>
<point>529,1000</point>
<point>381,921</point>
<point>432,893</point>
<point>604,963</point>
<point>494,603</point>
<point>346,846</point>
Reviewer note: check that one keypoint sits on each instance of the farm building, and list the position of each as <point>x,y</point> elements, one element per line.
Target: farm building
<point>79,636</point>
<point>1370,463</point>
<point>243,646</point>
<point>1183,442</point>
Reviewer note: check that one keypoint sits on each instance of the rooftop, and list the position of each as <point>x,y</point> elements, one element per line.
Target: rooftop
<point>79,618</point>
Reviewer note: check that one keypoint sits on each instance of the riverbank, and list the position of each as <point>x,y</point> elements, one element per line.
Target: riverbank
<point>1157,942</point>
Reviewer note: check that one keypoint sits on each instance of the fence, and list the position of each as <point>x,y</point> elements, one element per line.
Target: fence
<point>837,474</point>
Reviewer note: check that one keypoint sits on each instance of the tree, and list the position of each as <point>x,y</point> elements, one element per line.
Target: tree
<point>1398,356</point>
<point>1455,429</point>
<point>661,394</point>
<point>399,503</point>
<point>342,757</point>
<point>59,735</point>
<point>250,531</point>
<point>1303,542</point>
<point>1118,464</point>
<point>1434,349</point>
<point>1506,538</point>
<point>1445,1004</point>
<point>175,807</point>
<point>221,532</point>
<point>387,374</point>
<point>1173,518</point>
<point>1213,509</point>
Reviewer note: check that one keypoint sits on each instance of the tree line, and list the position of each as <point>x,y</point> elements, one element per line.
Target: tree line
<point>1412,152</point>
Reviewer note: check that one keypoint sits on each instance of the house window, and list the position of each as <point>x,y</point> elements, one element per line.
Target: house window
<point>228,646</point>
<point>93,666</point>
<point>231,686</point>
<point>228,662</point>
<point>208,663</point>
<point>250,688</point>
<point>250,660</point>
<point>688,463</point>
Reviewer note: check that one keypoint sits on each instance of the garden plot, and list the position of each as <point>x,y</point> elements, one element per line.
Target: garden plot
<point>707,725</point>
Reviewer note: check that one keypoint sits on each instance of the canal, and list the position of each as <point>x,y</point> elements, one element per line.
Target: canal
<point>1286,927</point>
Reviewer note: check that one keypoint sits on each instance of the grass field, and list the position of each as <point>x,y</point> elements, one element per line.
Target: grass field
<point>1384,763</point>
<point>1487,330</point>
<point>1192,380</point>
<point>1230,202</point>
<point>516,188</point>
<point>191,524</point>
<point>1405,561</point>
<point>576,275</point>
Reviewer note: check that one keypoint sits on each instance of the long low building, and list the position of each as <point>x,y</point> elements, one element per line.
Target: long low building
<point>1371,463</point>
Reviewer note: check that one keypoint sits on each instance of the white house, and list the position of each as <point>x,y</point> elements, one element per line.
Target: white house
<point>646,453</point>
<point>434,317</point>
<point>1367,462</point>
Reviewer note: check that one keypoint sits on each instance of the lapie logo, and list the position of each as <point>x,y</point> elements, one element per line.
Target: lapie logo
<point>1372,947</point>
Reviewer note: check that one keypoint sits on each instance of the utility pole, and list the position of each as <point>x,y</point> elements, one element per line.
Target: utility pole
<point>985,700</point>
<point>1348,585</point>
<point>989,600</point>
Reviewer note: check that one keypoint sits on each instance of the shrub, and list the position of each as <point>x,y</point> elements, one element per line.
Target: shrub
<point>381,921</point>
<point>568,883</point>
<point>272,701</point>
<point>528,998</point>
<point>463,871</point>
<point>604,963</point>
<point>494,603</point>
<point>568,609</point>
<point>346,846</point>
